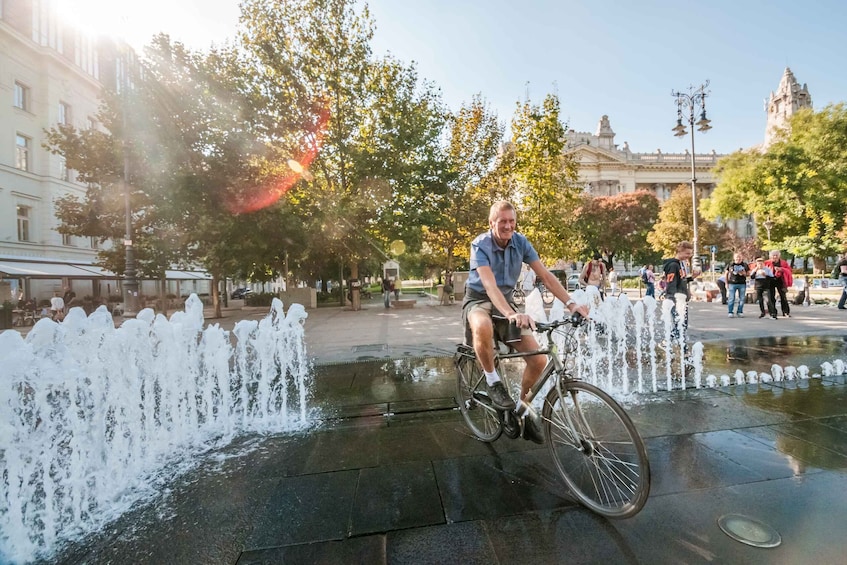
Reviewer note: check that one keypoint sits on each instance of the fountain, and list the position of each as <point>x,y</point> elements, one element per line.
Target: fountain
<point>632,347</point>
<point>95,419</point>
<point>93,416</point>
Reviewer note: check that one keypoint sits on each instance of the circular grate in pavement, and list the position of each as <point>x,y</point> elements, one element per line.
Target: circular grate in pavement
<point>749,531</point>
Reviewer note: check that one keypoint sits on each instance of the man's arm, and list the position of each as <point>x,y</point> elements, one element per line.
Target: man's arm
<point>486,277</point>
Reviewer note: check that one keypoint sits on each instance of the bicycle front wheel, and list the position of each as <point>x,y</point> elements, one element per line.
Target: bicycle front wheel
<point>597,449</point>
<point>472,397</point>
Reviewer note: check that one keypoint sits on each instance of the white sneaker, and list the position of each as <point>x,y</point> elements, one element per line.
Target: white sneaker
<point>731,315</point>
<point>739,315</point>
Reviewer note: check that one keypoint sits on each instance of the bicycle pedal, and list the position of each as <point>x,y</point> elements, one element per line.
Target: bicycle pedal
<point>511,425</point>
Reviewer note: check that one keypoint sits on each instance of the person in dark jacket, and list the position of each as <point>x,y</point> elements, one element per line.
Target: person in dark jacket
<point>762,276</point>
<point>736,278</point>
<point>676,277</point>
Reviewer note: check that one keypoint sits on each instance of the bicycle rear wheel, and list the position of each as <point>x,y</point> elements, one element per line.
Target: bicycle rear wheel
<point>547,296</point>
<point>518,297</point>
<point>472,397</point>
<point>597,449</point>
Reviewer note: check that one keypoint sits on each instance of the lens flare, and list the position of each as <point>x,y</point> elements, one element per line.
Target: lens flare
<point>265,195</point>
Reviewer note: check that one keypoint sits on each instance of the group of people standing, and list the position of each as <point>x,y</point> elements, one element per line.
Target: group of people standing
<point>770,277</point>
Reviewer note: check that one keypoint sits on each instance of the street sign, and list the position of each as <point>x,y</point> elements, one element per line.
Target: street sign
<point>714,249</point>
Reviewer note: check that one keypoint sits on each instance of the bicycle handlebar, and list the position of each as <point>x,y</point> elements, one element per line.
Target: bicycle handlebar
<point>576,319</point>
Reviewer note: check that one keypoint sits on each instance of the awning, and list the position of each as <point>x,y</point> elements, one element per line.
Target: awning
<point>47,270</point>
<point>178,275</point>
<point>38,270</point>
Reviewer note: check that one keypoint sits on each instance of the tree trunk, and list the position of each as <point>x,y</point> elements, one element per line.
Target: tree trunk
<point>216,296</point>
<point>163,295</point>
<point>819,265</point>
<point>355,294</point>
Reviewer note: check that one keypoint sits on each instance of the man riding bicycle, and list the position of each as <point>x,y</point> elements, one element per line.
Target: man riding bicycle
<point>495,265</point>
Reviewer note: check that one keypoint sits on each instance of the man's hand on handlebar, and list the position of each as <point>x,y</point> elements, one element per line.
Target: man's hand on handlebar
<point>521,320</point>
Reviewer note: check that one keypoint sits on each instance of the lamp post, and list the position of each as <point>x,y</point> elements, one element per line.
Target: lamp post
<point>130,282</point>
<point>690,101</point>
<point>768,224</point>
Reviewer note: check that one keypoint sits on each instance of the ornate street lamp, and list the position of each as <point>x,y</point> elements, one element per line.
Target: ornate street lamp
<point>130,281</point>
<point>768,224</point>
<point>691,101</point>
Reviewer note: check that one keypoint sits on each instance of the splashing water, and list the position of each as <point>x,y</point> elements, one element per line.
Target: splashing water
<point>633,346</point>
<point>92,414</point>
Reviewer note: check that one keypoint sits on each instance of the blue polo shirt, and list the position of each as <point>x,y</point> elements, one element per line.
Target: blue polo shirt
<point>505,263</point>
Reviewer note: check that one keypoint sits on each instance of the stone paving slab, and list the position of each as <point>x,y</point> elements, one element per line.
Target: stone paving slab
<point>392,474</point>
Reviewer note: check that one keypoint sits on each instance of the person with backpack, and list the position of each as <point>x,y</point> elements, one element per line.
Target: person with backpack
<point>677,277</point>
<point>594,274</point>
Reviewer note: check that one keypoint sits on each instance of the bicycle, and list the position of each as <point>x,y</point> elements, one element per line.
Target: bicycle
<point>595,446</point>
<point>546,295</point>
<point>519,295</point>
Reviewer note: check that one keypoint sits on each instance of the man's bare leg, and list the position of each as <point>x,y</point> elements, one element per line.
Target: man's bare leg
<point>482,329</point>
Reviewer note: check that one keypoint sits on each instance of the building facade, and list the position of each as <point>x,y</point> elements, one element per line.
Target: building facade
<point>50,74</point>
<point>788,98</point>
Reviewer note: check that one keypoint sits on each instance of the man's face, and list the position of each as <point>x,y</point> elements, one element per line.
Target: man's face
<point>737,257</point>
<point>685,254</point>
<point>503,225</point>
<point>775,255</point>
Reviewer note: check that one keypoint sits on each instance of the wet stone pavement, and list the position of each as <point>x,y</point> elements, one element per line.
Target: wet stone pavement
<point>392,475</point>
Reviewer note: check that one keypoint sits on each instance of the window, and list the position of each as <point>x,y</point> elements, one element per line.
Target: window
<point>95,243</point>
<point>22,144</point>
<point>23,223</point>
<point>66,240</point>
<point>63,169</point>
<point>21,96</point>
<point>64,114</point>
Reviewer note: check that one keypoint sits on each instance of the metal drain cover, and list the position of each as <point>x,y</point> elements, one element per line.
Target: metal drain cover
<point>749,531</point>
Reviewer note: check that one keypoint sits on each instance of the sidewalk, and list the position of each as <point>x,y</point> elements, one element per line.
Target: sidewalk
<point>339,335</point>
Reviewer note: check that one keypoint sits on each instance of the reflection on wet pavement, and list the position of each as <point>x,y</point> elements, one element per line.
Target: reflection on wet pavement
<point>391,474</point>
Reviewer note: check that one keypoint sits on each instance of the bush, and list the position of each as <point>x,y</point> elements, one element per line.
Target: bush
<point>262,299</point>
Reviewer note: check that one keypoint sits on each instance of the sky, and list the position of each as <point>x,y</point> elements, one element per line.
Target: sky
<point>621,59</point>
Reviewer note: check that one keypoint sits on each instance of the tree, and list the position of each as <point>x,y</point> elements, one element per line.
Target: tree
<point>375,164</point>
<point>179,124</point>
<point>462,210</point>
<point>547,192</point>
<point>609,224</point>
<point>675,225</point>
<point>799,184</point>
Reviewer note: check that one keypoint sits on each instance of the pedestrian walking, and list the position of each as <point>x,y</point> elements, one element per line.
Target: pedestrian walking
<point>386,292</point>
<point>736,278</point>
<point>677,277</point>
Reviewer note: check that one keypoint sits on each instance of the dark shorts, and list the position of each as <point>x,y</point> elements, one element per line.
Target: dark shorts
<point>501,327</point>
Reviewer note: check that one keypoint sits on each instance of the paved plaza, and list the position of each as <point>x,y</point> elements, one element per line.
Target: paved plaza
<point>390,473</point>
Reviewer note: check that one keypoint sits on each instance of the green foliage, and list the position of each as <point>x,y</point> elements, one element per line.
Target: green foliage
<point>799,184</point>
<point>545,179</point>
<point>675,225</point>
<point>474,140</point>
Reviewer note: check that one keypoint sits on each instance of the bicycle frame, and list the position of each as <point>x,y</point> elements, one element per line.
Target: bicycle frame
<point>554,364</point>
